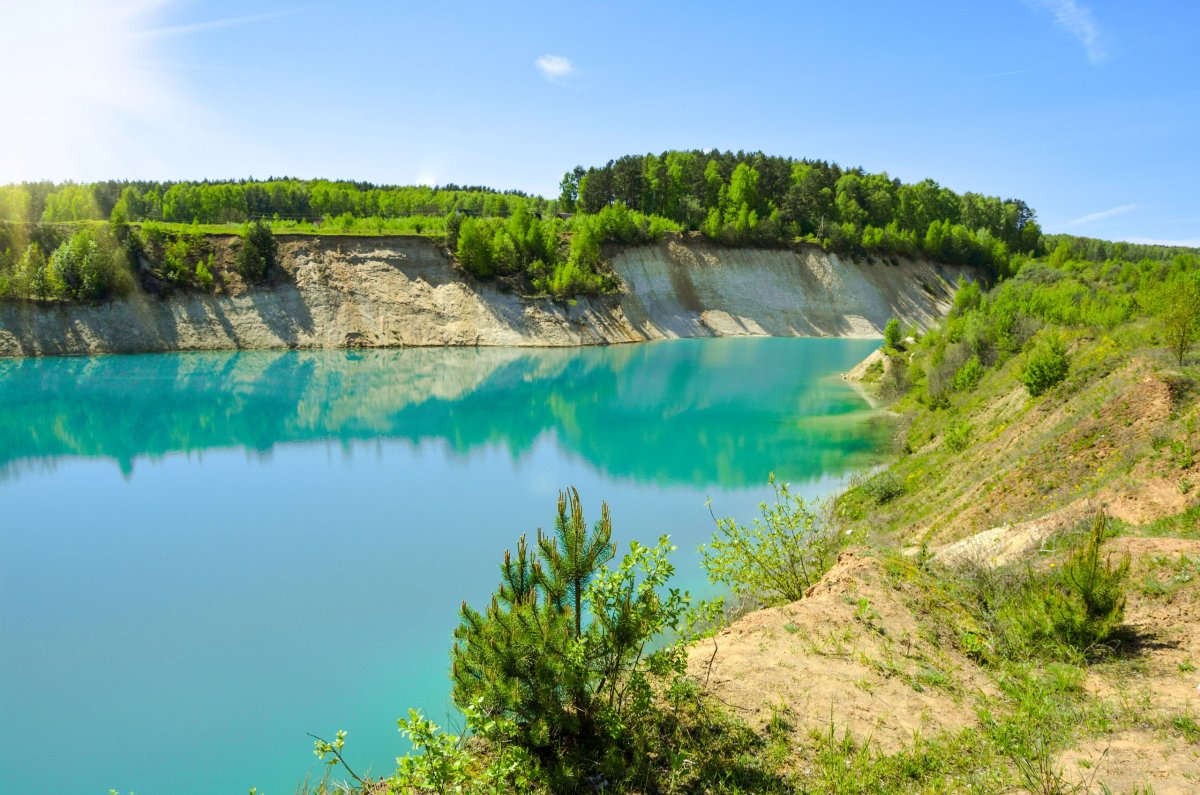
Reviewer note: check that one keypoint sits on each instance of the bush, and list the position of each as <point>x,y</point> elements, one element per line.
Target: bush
<point>1066,611</point>
<point>559,655</point>
<point>884,487</point>
<point>257,254</point>
<point>968,376</point>
<point>958,437</point>
<point>204,276</point>
<point>891,334</point>
<point>1180,315</point>
<point>1046,367</point>
<point>1093,591</point>
<point>778,557</point>
<point>87,267</point>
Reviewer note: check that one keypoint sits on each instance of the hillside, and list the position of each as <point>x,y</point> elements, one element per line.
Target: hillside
<point>927,658</point>
<point>348,292</point>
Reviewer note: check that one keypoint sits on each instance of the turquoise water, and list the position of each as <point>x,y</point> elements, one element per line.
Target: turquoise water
<point>206,556</point>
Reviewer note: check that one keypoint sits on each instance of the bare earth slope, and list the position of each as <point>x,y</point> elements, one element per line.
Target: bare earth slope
<point>406,291</point>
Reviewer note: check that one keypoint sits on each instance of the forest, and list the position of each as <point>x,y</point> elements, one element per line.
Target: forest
<point>542,246</point>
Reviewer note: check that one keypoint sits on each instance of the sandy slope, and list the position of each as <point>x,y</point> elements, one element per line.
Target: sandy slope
<point>406,291</point>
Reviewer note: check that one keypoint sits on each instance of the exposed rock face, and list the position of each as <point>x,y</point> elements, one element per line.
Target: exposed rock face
<point>405,291</point>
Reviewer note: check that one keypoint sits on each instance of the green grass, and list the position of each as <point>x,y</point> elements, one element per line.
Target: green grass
<point>420,225</point>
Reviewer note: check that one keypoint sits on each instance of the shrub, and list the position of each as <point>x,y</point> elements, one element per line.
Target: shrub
<point>958,437</point>
<point>87,267</point>
<point>779,556</point>
<point>968,376</point>
<point>884,487</point>
<point>204,275</point>
<point>1063,611</point>
<point>257,254</point>
<point>559,654</point>
<point>32,275</point>
<point>1180,315</point>
<point>1046,367</point>
<point>1093,590</point>
<point>967,296</point>
<point>891,334</point>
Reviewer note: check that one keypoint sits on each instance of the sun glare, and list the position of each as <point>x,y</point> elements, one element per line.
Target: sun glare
<point>81,108</point>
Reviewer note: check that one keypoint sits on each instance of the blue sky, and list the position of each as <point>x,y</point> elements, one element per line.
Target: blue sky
<point>1088,110</point>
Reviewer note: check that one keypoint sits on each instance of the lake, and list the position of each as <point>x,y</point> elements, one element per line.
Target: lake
<point>208,555</point>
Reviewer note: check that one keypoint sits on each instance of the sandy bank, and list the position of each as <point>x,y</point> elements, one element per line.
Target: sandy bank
<point>344,292</point>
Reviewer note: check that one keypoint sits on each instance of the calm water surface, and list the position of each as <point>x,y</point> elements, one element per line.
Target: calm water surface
<point>205,556</point>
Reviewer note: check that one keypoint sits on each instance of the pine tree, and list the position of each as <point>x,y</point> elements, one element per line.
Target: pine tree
<point>523,658</point>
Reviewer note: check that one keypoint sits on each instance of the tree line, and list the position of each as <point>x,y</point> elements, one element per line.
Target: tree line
<point>555,246</point>
<point>755,198</point>
<point>239,201</point>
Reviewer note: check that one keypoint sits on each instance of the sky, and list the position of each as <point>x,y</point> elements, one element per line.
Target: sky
<point>1087,110</point>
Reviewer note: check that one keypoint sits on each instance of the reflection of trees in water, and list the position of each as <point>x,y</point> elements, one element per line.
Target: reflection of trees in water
<point>695,411</point>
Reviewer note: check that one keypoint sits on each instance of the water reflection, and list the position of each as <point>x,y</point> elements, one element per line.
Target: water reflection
<point>711,410</point>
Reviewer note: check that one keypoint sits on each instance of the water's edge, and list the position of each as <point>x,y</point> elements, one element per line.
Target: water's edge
<point>407,292</point>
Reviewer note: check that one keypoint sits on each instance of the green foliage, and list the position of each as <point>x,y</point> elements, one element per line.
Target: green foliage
<point>32,277</point>
<point>87,267</point>
<point>560,654</point>
<point>755,198</point>
<point>16,204</point>
<point>1093,588</point>
<point>776,558</point>
<point>958,437</point>
<point>892,334</point>
<point>256,256</point>
<point>71,203</point>
<point>1065,611</point>
<point>183,258</point>
<point>967,377</point>
<point>967,296</point>
<point>1046,366</point>
<point>1180,314</point>
<point>442,763</point>
<point>204,277</point>
<point>884,487</point>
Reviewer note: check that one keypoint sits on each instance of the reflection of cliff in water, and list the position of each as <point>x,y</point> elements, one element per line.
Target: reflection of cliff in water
<point>694,411</point>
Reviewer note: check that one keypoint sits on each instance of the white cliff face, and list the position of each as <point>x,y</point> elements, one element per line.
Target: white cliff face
<point>389,292</point>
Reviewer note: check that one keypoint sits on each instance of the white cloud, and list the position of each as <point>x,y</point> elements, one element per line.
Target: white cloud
<point>1090,217</point>
<point>1077,20</point>
<point>554,67</point>
<point>215,24</point>
<point>1153,241</point>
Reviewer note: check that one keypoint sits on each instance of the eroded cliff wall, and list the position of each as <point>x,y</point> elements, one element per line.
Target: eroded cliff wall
<point>405,291</point>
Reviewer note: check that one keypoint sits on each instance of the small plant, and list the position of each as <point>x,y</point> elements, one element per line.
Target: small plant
<point>323,748</point>
<point>1187,726</point>
<point>974,646</point>
<point>776,558</point>
<point>1181,454</point>
<point>204,276</point>
<point>1046,367</point>
<point>958,437</point>
<point>892,334</point>
<point>884,487</point>
<point>256,257</point>
<point>441,762</point>
<point>968,376</point>
<point>1093,589</point>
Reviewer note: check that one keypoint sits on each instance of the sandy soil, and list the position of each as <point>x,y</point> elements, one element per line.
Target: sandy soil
<point>850,652</point>
<point>343,292</point>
